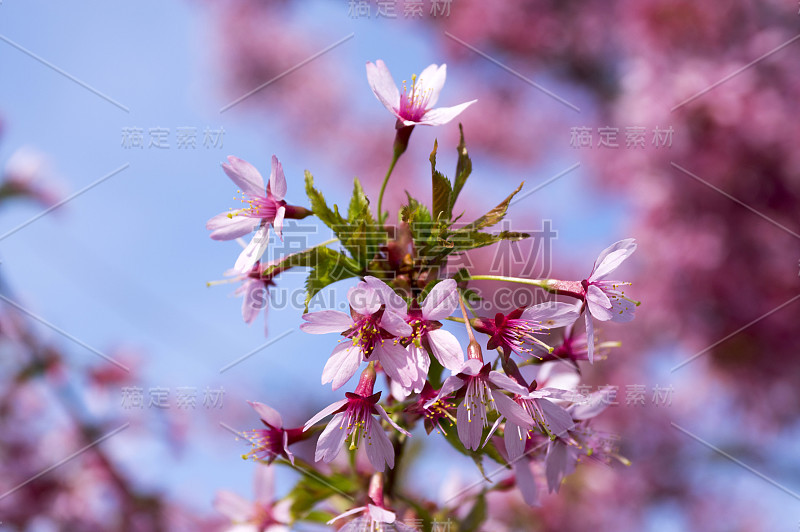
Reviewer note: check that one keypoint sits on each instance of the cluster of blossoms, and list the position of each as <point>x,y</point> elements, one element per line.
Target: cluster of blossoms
<point>518,414</point>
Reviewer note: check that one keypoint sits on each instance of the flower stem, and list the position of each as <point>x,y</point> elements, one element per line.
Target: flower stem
<point>541,283</point>
<point>400,145</point>
<point>383,187</point>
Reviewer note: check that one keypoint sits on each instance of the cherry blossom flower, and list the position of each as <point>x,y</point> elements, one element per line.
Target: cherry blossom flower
<point>272,442</point>
<point>565,450</point>
<point>262,209</point>
<point>433,412</point>
<point>372,330</point>
<point>516,332</point>
<point>261,515</point>
<point>603,299</point>
<point>254,289</point>
<point>554,420</point>
<point>483,390</point>
<point>427,333</point>
<point>353,419</point>
<point>414,106</point>
<point>375,513</point>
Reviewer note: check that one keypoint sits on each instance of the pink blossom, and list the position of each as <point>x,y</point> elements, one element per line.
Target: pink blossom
<point>552,419</point>
<point>353,419</point>
<point>566,449</point>
<point>272,442</point>
<point>372,330</point>
<point>376,515</point>
<point>261,515</point>
<point>414,106</point>
<point>433,412</point>
<point>427,333</point>
<point>516,332</point>
<point>262,209</point>
<point>373,520</point>
<point>483,391</point>
<point>603,299</point>
<point>254,290</point>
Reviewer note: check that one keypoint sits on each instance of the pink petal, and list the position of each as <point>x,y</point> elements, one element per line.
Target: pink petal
<point>364,299</point>
<point>432,79</point>
<point>347,513</point>
<point>225,227</point>
<point>255,299</point>
<point>506,383</point>
<point>330,441</point>
<point>557,420</point>
<point>442,115</point>
<point>422,363</point>
<point>395,325</point>
<point>286,447</point>
<point>450,385</point>
<point>393,302</point>
<point>277,222</point>
<point>245,176</point>
<point>342,364</point>
<point>589,337</point>
<point>559,463</point>
<point>385,417</point>
<point>470,367</point>
<point>553,314</point>
<point>326,321</point>
<point>383,86</point>
<point>596,295</point>
<point>593,405</point>
<point>511,410</point>
<point>441,301</point>
<point>622,310</point>
<point>264,484</point>
<point>379,449</point>
<point>277,181</point>
<point>233,506</point>
<point>526,482</point>
<point>515,440</point>
<point>446,349</point>
<point>381,515</point>
<point>254,250</point>
<point>469,431</point>
<point>325,412</point>
<point>396,362</point>
<point>611,257</point>
<point>268,414</point>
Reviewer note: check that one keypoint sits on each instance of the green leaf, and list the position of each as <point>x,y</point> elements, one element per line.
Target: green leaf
<point>359,205</point>
<point>311,490</point>
<point>307,258</point>
<point>495,215</point>
<point>441,189</point>
<point>359,235</point>
<point>329,217</point>
<point>462,240</point>
<point>463,168</point>
<point>330,266</point>
<point>415,212</point>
